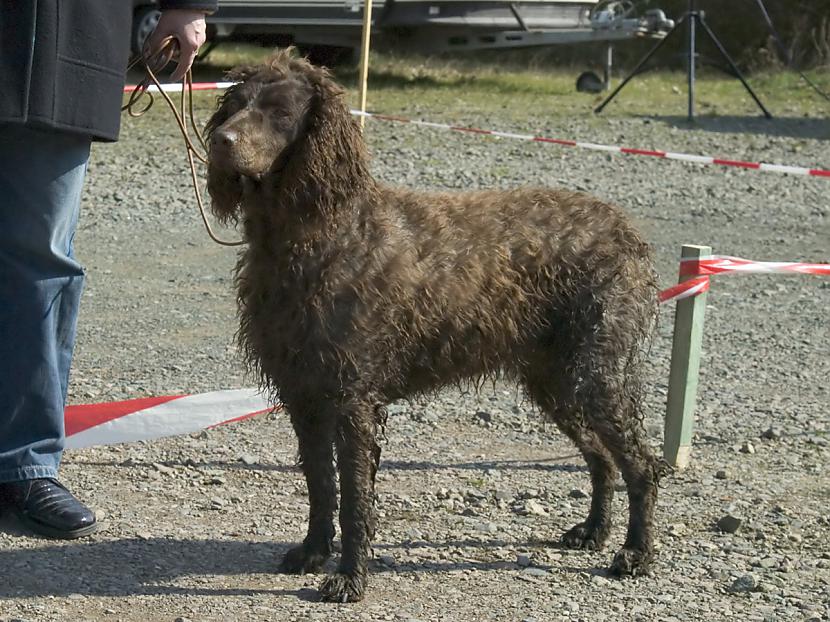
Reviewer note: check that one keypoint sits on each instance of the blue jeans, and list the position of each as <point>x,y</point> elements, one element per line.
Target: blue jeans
<point>41,176</point>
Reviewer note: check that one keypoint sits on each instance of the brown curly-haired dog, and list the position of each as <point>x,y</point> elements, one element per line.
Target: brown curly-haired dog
<point>353,294</point>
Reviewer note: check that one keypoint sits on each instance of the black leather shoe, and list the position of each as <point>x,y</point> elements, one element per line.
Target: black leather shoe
<point>47,508</point>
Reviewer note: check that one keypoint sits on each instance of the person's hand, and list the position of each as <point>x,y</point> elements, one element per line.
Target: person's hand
<point>188,27</point>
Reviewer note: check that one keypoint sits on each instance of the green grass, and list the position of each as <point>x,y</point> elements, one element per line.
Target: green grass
<point>516,85</point>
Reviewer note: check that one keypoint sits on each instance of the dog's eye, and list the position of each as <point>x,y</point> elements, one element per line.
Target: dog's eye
<point>279,114</point>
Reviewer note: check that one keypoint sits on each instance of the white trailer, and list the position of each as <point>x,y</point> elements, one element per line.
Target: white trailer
<point>426,25</point>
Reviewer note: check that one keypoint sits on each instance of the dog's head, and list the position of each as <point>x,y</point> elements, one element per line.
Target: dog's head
<point>278,114</point>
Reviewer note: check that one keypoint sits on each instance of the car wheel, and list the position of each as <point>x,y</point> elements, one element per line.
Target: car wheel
<point>589,82</point>
<point>144,22</point>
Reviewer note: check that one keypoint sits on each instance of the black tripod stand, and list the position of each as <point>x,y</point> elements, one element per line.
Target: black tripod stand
<point>693,18</point>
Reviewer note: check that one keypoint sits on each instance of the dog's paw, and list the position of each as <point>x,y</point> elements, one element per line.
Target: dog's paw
<point>342,588</point>
<point>631,562</point>
<point>301,560</point>
<point>586,536</point>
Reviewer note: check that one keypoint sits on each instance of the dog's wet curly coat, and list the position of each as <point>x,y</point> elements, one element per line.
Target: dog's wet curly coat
<point>353,294</point>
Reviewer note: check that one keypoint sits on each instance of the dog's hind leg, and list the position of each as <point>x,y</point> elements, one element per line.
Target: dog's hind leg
<point>315,434</point>
<point>593,532</point>
<point>593,374</point>
<point>623,435</point>
<point>608,395</point>
<point>358,456</point>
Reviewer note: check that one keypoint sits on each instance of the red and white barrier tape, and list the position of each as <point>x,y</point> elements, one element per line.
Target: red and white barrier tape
<point>703,268</point>
<point>156,417</point>
<point>177,87</point>
<point>686,289</point>
<point>652,153</point>
<point>668,155</point>
<point>721,264</point>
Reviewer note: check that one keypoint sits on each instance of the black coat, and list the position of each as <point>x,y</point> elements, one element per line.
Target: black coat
<point>62,62</point>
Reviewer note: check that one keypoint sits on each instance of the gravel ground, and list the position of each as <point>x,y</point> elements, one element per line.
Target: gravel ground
<point>473,488</point>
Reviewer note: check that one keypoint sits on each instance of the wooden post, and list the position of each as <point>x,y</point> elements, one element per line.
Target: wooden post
<point>364,55</point>
<point>685,365</point>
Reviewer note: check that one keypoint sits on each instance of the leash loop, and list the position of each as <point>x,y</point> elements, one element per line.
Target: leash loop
<point>154,61</point>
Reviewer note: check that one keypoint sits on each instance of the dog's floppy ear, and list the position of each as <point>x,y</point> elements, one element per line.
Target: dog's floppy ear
<point>331,162</point>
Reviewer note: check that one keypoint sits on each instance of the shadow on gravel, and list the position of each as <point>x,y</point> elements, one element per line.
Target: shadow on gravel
<point>134,566</point>
<point>783,127</point>
<point>140,567</point>
<point>479,544</point>
<point>389,465</point>
<point>507,465</point>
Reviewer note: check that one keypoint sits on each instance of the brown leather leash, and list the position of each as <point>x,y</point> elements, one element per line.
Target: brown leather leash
<point>154,61</point>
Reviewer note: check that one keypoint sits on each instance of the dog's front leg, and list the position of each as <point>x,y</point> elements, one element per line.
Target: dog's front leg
<point>315,435</point>
<point>358,456</point>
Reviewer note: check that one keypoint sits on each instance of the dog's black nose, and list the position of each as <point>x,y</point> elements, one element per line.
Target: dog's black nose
<point>224,138</point>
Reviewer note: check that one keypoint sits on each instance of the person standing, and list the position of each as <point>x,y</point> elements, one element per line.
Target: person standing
<point>62,74</point>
